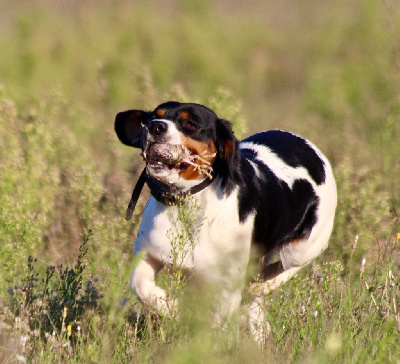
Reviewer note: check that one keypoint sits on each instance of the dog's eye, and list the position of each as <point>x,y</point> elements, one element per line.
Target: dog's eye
<point>189,125</point>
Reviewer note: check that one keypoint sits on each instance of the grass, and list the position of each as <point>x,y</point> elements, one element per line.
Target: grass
<point>327,70</point>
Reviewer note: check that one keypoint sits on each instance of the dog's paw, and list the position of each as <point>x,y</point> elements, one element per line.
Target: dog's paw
<point>164,304</point>
<point>258,325</point>
<point>259,331</point>
<point>167,307</point>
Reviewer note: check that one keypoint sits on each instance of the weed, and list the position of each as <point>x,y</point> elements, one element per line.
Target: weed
<point>325,309</point>
<point>186,218</point>
<point>51,305</point>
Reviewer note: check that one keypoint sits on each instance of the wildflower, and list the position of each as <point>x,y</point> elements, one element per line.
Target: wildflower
<point>398,236</point>
<point>355,242</point>
<point>315,313</point>
<point>24,339</point>
<point>69,330</point>
<point>362,265</point>
<point>64,316</point>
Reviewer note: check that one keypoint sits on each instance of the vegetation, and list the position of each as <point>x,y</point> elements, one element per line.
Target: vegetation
<point>329,71</point>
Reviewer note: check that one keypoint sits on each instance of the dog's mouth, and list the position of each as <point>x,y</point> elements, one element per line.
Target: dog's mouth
<point>164,158</point>
<point>168,157</point>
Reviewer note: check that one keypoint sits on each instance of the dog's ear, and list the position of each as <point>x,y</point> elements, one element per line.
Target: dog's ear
<point>129,125</point>
<point>228,151</point>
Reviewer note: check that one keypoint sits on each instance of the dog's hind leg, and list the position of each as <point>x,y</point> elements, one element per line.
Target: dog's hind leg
<point>278,273</point>
<point>294,256</point>
<point>143,284</point>
<point>276,277</point>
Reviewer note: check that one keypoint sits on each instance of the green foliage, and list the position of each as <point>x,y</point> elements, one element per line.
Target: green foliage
<point>37,160</point>
<point>364,208</point>
<point>22,179</point>
<point>224,103</point>
<point>338,314</point>
<point>354,76</point>
<point>50,305</point>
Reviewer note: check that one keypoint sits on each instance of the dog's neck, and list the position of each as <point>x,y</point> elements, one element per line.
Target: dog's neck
<point>163,193</point>
<point>168,195</point>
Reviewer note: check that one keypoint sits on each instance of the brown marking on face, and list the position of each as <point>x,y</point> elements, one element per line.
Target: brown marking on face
<point>184,115</point>
<point>191,173</point>
<point>204,150</point>
<point>160,113</point>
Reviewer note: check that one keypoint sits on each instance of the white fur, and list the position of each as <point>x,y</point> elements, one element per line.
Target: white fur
<point>220,256</point>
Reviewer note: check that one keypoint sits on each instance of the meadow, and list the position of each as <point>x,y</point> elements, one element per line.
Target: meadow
<point>327,70</point>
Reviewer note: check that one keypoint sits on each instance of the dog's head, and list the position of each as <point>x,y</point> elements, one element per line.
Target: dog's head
<point>182,143</point>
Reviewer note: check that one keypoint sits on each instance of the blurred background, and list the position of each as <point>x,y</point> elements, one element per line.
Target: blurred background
<point>328,70</point>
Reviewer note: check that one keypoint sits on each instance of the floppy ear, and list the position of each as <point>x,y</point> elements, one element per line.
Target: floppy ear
<point>228,151</point>
<point>129,125</point>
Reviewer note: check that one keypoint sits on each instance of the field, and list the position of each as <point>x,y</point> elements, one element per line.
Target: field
<point>327,70</point>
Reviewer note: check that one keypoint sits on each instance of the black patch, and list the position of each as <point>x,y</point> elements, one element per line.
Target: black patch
<point>282,214</point>
<point>293,150</point>
<point>203,119</point>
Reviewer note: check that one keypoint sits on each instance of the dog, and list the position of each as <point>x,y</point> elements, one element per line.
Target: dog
<point>272,193</point>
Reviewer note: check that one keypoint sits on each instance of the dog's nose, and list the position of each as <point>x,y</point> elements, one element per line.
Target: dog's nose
<point>157,127</point>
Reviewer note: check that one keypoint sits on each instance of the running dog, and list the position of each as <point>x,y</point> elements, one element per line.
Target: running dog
<point>273,192</point>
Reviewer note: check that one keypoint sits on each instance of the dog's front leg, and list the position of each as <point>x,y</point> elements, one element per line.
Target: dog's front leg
<point>143,284</point>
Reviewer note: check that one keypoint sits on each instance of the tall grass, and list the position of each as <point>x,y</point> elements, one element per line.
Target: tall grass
<point>327,70</point>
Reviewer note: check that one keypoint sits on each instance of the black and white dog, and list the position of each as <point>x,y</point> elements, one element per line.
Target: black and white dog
<point>274,191</point>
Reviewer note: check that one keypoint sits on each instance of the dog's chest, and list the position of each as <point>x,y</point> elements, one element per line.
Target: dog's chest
<point>219,246</point>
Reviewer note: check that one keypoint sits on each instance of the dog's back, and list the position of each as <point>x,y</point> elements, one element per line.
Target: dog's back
<point>293,194</point>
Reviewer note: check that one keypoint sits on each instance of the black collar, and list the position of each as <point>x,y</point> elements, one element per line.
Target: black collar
<point>161,192</point>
